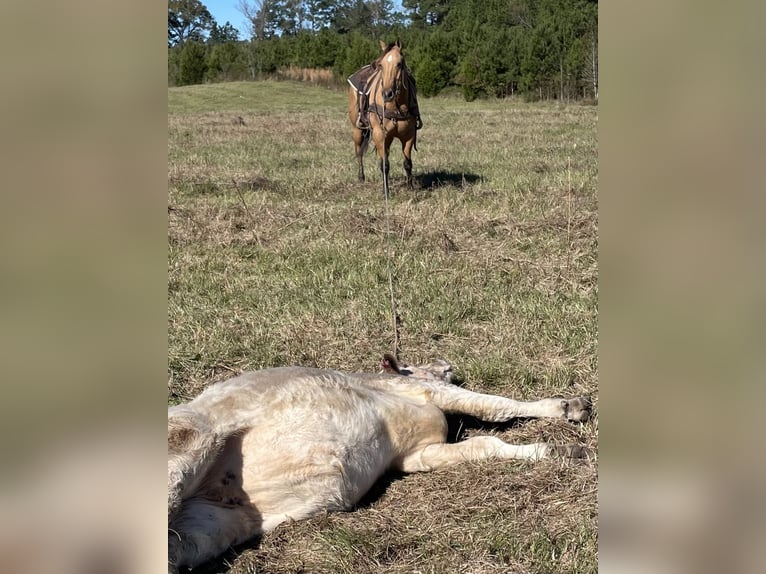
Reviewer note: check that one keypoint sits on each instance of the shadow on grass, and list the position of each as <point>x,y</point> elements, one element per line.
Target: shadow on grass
<point>378,489</point>
<point>436,179</point>
<point>223,562</point>
<point>457,425</point>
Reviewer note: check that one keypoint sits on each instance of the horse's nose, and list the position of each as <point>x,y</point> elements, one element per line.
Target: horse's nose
<point>388,95</point>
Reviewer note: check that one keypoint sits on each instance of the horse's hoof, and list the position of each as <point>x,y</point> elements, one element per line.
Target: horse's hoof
<point>577,409</point>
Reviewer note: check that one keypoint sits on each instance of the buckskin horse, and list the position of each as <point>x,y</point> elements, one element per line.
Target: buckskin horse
<point>383,105</point>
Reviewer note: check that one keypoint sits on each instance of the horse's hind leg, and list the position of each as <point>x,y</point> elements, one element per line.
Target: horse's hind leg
<point>479,448</point>
<point>385,166</point>
<point>383,163</point>
<point>407,152</point>
<point>361,141</point>
<point>204,529</point>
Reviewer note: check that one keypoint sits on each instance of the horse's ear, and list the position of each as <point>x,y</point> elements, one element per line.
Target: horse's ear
<point>398,44</point>
<point>383,45</point>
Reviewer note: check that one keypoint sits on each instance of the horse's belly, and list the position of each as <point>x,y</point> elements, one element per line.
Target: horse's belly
<point>318,459</point>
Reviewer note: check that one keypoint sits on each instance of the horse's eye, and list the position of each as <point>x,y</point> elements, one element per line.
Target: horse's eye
<point>399,65</point>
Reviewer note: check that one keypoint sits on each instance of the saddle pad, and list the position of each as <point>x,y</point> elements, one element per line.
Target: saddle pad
<point>358,79</point>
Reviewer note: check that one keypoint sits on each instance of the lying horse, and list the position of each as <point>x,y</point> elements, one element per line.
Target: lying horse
<point>382,103</point>
<point>289,443</point>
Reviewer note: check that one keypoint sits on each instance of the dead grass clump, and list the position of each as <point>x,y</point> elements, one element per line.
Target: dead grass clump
<point>314,76</point>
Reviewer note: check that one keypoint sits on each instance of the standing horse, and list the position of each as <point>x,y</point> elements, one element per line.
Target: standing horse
<point>382,104</point>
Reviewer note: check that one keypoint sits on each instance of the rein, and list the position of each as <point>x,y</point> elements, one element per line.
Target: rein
<point>367,94</point>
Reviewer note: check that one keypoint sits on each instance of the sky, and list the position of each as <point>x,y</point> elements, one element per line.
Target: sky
<point>226,10</point>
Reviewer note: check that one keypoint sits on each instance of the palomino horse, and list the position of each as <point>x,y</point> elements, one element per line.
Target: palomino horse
<point>289,443</point>
<point>382,103</point>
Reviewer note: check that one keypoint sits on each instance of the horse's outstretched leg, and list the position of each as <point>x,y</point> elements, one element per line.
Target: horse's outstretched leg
<point>407,153</point>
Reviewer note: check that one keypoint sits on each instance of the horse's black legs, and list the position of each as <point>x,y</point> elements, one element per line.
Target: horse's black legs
<point>407,146</point>
<point>408,168</point>
<point>361,141</point>
<point>387,166</point>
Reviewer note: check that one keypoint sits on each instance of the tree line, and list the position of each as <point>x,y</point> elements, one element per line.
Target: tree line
<point>537,49</point>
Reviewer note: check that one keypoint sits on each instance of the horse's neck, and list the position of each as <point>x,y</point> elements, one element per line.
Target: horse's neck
<point>404,95</point>
<point>409,83</point>
<point>404,92</point>
<point>409,96</point>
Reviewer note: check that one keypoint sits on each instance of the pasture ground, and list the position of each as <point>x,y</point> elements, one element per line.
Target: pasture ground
<point>277,256</point>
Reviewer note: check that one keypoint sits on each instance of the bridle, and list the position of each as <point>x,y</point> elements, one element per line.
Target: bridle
<point>381,111</point>
<point>399,81</point>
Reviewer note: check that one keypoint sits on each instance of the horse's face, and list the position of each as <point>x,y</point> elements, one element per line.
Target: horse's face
<point>391,65</point>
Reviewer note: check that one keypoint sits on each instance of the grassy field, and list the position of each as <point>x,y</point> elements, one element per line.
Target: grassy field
<point>278,256</point>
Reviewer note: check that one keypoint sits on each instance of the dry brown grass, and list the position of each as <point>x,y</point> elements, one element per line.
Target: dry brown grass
<point>277,256</point>
<point>315,76</point>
